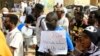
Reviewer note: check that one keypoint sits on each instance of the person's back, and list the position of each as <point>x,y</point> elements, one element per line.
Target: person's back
<point>40,26</point>
<point>51,23</point>
<point>4,49</point>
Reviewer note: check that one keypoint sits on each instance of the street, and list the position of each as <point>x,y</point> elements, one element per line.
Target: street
<point>31,52</point>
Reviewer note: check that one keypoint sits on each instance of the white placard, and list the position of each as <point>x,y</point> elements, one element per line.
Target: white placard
<point>55,41</point>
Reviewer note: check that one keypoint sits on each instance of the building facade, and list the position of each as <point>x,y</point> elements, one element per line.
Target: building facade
<point>10,3</point>
<point>81,2</point>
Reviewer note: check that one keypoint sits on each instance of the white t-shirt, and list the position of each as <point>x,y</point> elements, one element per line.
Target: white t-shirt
<point>23,6</point>
<point>40,28</point>
<point>27,34</point>
<point>28,10</point>
<point>22,19</point>
<point>64,22</point>
<point>15,39</point>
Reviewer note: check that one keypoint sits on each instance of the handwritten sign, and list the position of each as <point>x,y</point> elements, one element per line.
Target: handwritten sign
<point>55,41</point>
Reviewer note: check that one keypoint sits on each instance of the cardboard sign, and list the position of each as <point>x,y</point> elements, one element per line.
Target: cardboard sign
<point>55,41</point>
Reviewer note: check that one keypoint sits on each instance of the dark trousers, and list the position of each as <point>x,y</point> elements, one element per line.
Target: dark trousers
<point>38,53</point>
<point>43,54</point>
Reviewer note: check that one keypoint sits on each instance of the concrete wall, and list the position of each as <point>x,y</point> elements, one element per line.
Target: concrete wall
<point>82,2</point>
<point>94,2</point>
<point>68,2</point>
<point>77,2</point>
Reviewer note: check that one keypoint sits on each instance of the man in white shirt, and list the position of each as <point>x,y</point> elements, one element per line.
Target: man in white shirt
<point>27,30</point>
<point>23,6</point>
<point>14,37</point>
<point>40,24</point>
<point>28,9</point>
<point>22,18</point>
<point>63,21</point>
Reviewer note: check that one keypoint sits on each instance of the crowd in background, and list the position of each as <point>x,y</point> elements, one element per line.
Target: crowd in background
<point>81,25</point>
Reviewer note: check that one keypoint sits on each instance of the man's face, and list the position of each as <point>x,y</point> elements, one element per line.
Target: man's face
<point>86,42</point>
<point>83,43</point>
<point>7,23</point>
<point>59,13</point>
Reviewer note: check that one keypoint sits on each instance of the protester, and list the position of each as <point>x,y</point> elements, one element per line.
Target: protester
<point>76,25</point>
<point>28,9</point>
<point>97,16</point>
<point>23,6</point>
<point>28,30</point>
<point>63,20</point>
<point>5,11</point>
<point>1,24</point>
<point>14,36</point>
<point>51,21</point>
<point>82,26</point>
<point>89,45</point>
<point>92,19</point>
<point>40,23</point>
<point>22,18</point>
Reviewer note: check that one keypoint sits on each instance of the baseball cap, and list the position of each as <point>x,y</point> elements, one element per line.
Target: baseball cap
<point>93,34</point>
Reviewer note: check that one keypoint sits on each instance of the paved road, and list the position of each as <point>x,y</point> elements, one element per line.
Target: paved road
<point>31,52</point>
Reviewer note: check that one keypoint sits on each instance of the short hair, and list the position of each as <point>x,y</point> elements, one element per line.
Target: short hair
<point>13,18</point>
<point>51,20</point>
<point>39,7</point>
<point>51,16</point>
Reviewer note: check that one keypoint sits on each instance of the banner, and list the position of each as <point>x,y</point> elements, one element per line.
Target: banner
<point>55,41</point>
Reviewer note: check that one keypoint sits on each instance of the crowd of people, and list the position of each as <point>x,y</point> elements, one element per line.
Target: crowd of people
<point>82,30</point>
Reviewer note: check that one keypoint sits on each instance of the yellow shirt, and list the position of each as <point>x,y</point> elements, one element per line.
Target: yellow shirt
<point>4,49</point>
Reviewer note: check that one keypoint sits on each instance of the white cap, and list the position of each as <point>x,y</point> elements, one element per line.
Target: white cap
<point>91,29</point>
<point>5,10</point>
